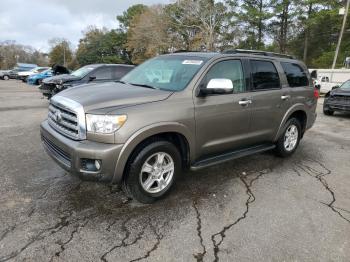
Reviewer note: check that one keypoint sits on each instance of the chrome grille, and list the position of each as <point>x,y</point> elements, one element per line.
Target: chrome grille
<point>67,117</point>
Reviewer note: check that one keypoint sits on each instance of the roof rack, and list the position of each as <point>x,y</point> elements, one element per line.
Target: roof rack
<point>256,52</point>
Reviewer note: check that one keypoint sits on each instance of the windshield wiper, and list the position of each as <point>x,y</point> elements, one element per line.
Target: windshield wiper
<point>120,81</point>
<point>143,85</point>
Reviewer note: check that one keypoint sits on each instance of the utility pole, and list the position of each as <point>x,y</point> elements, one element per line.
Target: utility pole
<point>341,35</point>
<point>64,54</point>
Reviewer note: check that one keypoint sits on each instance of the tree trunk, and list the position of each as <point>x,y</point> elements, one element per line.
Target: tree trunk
<point>260,25</point>
<point>307,34</point>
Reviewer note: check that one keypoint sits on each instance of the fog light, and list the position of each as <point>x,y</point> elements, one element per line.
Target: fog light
<point>92,165</point>
<point>97,164</point>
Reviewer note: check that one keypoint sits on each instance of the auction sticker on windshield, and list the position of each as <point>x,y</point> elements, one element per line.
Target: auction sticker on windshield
<point>192,62</point>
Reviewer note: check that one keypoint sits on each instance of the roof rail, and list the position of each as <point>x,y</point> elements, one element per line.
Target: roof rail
<point>257,52</point>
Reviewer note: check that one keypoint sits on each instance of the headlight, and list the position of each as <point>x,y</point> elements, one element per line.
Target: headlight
<point>104,124</point>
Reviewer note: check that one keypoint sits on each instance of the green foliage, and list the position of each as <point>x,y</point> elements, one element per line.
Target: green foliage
<point>60,52</point>
<point>102,46</point>
<point>126,18</point>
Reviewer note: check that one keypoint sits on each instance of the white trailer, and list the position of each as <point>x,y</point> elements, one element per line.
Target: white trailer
<point>328,78</point>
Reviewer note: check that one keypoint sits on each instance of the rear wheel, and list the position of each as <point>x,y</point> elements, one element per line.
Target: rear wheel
<point>290,138</point>
<point>6,78</point>
<point>151,172</point>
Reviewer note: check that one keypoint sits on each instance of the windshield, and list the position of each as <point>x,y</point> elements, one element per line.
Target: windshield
<point>171,73</point>
<point>345,85</point>
<point>81,72</point>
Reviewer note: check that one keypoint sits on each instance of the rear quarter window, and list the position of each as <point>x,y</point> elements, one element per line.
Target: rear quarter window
<point>295,74</point>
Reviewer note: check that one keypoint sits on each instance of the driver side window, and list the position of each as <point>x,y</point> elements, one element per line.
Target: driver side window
<point>228,69</point>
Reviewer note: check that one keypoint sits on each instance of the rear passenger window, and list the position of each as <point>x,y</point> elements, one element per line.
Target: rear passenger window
<point>229,69</point>
<point>103,73</point>
<point>120,71</point>
<point>265,75</point>
<point>296,76</point>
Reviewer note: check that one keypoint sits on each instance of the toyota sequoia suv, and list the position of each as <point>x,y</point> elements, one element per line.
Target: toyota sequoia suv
<point>180,111</point>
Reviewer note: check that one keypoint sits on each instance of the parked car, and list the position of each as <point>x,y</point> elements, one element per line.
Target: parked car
<point>4,74</point>
<point>338,99</point>
<point>13,73</point>
<point>36,79</point>
<point>25,74</point>
<point>183,110</point>
<point>97,73</point>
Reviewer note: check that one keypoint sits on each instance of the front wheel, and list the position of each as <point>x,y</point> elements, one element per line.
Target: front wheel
<point>290,138</point>
<point>6,78</point>
<point>151,172</point>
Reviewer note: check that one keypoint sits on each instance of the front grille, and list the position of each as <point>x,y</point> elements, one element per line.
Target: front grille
<point>340,99</point>
<point>57,152</point>
<point>67,117</point>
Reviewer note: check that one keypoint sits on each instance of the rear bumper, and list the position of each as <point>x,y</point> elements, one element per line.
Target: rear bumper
<point>68,154</point>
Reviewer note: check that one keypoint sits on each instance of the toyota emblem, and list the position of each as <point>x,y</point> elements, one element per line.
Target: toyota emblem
<point>58,116</point>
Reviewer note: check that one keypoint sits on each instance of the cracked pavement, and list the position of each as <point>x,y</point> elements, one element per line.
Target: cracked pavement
<point>258,208</point>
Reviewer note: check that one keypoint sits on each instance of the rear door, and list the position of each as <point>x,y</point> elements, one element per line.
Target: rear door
<point>270,99</point>
<point>120,71</point>
<point>101,74</point>
<point>222,122</point>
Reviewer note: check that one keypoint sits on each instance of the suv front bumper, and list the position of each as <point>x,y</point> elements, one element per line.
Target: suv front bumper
<point>69,154</point>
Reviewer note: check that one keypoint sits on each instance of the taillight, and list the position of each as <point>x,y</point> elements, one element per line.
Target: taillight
<point>316,93</point>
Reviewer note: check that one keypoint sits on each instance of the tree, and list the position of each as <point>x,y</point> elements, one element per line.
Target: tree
<point>147,35</point>
<point>11,53</point>
<point>202,18</point>
<point>126,18</point>
<point>281,22</point>
<point>253,17</point>
<point>102,46</point>
<point>61,52</point>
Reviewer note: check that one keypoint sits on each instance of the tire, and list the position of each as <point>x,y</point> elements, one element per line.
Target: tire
<point>327,111</point>
<point>6,78</point>
<point>282,149</point>
<point>145,180</point>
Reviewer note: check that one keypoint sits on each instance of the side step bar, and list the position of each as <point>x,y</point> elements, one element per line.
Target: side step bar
<point>211,161</point>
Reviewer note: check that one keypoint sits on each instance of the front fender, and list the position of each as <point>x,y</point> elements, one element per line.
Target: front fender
<point>144,133</point>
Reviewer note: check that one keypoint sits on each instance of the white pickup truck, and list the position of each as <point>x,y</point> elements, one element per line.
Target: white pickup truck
<point>323,84</point>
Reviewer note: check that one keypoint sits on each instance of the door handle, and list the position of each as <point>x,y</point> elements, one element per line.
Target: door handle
<point>244,102</point>
<point>285,97</point>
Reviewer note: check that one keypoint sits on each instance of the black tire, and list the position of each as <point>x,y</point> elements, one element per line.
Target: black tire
<point>6,77</point>
<point>327,111</point>
<point>281,149</point>
<point>131,183</point>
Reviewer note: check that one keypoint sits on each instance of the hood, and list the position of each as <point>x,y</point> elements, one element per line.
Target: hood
<point>341,92</point>
<point>110,96</point>
<point>60,79</point>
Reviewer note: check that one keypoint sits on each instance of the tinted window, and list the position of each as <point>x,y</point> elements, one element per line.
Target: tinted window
<point>103,73</point>
<point>230,69</point>
<point>296,76</point>
<point>265,75</point>
<point>120,71</point>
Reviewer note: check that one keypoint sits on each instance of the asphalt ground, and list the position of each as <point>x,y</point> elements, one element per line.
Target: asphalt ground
<point>258,208</point>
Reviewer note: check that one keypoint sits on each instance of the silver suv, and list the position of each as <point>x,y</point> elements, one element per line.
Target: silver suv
<point>176,111</point>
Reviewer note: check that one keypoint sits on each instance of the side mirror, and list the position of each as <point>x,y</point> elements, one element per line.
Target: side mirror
<point>218,86</point>
<point>335,87</point>
<point>92,78</point>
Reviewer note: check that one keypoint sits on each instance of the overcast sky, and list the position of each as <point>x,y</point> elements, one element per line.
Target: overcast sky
<point>34,22</point>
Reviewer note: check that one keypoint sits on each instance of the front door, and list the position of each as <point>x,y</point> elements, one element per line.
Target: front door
<point>222,120</point>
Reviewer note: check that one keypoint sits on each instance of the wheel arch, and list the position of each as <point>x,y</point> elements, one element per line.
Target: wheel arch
<point>298,111</point>
<point>174,132</point>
